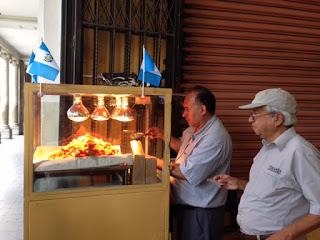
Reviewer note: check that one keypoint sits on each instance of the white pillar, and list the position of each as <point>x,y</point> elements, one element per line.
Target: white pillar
<point>4,102</point>
<point>13,96</point>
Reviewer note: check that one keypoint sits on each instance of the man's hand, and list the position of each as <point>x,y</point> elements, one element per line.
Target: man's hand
<point>176,172</point>
<point>228,182</point>
<point>298,228</point>
<point>154,133</point>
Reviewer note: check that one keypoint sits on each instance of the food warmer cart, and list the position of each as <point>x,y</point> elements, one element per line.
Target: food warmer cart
<point>90,167</point>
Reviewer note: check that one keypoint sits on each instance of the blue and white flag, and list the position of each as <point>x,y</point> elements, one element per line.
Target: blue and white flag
<point>43,64</point>
<point>148,70</point>
<point>34,78</point>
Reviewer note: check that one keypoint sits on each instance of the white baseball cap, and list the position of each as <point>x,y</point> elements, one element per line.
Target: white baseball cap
<point>274,97</point>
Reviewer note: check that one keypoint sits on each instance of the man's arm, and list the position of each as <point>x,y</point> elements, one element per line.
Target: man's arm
<point>230,183</point>
<point>175,143</point>
<point>156,133</point>
<point>300,227</point>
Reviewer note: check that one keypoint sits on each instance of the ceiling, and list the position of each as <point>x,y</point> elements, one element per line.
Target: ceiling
<point>19,26</point>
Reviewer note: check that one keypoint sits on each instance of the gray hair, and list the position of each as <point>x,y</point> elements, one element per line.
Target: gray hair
<point>289,119</point>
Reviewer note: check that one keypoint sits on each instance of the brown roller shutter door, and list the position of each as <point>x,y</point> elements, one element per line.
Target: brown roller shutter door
<point>236,48</point>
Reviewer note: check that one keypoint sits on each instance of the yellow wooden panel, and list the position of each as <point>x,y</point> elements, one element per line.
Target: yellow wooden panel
<point>315,235</point>
<point>124,216</point>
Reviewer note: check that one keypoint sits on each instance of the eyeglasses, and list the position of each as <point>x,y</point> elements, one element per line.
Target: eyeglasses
<point>254,116</point>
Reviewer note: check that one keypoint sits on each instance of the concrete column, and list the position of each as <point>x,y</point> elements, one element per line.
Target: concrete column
<point>14,96</point>
<point>22,78</point>
<point>4,92</point>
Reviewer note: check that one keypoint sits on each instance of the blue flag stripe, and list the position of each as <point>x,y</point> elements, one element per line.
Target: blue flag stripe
<point>44,71</point>
<point>34,79</point>
<point>44,47</point>
<point>149,62</point>
<point>32,56</point>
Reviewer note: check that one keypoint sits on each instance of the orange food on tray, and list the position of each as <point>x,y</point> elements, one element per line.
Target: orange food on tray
<point>84,146</point>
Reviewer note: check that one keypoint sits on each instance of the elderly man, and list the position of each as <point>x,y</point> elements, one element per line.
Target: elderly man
<point>282,198</point>
<point>203,151</point>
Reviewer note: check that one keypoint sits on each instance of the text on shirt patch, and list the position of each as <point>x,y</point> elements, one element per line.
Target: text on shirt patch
<point>274,169</point>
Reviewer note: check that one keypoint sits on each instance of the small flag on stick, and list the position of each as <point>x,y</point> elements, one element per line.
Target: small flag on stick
<point>148,70</point>
<point>42,64</point>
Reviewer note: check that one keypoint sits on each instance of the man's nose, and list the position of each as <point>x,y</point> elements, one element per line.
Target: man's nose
<point>184,114</point>
<point>250,119</point>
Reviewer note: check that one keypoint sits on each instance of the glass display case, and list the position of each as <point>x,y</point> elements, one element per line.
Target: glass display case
<point>85,144</point>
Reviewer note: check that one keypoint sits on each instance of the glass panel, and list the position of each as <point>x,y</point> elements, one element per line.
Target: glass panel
<point>87,140</point>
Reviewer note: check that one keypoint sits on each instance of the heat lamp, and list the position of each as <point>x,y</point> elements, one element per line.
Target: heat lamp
<point>100,113</point>
<point>122,112</point>
<point>77,112</point>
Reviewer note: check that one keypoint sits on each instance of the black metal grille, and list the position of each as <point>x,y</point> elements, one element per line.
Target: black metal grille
<point>152,17</point>
<point>107,37</point>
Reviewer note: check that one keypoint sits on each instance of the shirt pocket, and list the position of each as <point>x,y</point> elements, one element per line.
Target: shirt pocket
<point>266,184</point>
<point>286,184</point>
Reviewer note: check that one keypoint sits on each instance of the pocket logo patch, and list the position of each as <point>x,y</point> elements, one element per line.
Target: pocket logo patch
<point>274,169</point>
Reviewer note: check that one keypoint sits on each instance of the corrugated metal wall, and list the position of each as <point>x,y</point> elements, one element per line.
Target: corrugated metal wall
<point>236,48</point>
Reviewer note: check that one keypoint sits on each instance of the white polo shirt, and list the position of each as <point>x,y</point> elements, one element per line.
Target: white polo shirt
<point>284,185</point>
<point>202,155</point>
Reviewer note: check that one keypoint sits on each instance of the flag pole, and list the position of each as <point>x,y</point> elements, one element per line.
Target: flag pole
<point>40,94</point>
<point>40,90</point>
<point>143,72</point>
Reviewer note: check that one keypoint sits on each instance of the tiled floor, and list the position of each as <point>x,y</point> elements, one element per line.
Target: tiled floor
<point>11,188</point>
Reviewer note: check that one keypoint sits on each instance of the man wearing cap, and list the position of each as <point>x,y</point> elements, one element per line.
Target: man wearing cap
<point>281,200</point>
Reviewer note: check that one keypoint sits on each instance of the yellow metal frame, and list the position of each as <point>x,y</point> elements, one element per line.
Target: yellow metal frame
<point>124,212</point>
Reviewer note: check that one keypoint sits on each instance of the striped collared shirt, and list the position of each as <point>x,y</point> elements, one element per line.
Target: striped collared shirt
<point>202,155</point>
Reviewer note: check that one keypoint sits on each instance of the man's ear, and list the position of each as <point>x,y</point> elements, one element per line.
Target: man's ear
<point>279,119</point>
<point>203,109</point>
